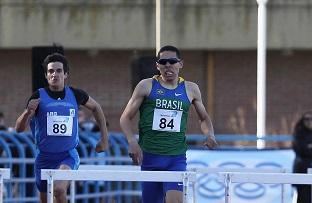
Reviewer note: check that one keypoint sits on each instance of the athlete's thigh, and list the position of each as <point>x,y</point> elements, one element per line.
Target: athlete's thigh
<point>43,163</point>
<point>70,162</point>
<point>152,192</point>
<point>178,163</point>
<point>62,184</point>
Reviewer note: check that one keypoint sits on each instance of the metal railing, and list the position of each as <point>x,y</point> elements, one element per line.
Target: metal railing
<point>17,152</point>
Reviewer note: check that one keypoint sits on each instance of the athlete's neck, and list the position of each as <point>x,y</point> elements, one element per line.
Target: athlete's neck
<point>56,88</point>
<point>170,84</point>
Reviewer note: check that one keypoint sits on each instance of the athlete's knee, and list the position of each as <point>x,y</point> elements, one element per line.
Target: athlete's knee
<point>174,196</point>
<point>43,197</point>
<point>59,192</point>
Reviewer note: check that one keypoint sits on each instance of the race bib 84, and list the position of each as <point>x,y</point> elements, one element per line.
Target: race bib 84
<point>167,120</point>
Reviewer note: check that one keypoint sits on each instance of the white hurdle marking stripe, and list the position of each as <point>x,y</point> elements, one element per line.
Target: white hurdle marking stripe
<point>5,173</point>
<point>112,175</point>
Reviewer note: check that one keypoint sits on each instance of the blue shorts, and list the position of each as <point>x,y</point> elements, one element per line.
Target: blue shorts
<point>154,192</point>
<point>46,160</point>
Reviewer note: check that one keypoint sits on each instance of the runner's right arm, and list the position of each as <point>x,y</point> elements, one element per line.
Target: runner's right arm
<point>139,93</point>
<point>23,120</point>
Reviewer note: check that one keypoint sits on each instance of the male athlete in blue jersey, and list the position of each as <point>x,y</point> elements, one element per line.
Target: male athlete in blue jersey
<point>53,114</point>
<point>164,102</point>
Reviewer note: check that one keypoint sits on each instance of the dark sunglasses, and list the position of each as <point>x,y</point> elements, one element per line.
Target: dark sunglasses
<point>171,61</point>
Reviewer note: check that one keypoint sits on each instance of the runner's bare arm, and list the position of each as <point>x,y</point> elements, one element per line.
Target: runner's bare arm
<point>99,116</point>
<point>204,119</point>
<point>23,120</point>
<point>139,93</point>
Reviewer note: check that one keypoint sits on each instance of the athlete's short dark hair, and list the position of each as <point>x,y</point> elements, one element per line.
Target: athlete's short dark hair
<point>55,57</point>
<point>169,48</point>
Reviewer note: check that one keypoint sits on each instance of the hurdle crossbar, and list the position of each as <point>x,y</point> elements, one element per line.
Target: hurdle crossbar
<point>271,178</point>
<point>5,173</point>
<point>112,175</point>
<point>243,170</point>
<point>265,178</point>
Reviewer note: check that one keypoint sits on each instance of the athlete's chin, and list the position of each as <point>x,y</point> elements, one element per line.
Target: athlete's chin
<point>169,78</point>
<point>54,85</point>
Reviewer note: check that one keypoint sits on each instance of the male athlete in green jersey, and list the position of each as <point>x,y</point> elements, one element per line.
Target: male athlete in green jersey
<point>164,102</point>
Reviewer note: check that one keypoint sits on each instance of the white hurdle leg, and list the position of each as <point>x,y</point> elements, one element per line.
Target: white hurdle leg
<point>283,190</point>
<point>227,188</point>
<point>50,189</point>
<point>72,191</point>
<point>1,188</point>
<point>309,172</point>
<point>185,187</point>
<point>4,174</point>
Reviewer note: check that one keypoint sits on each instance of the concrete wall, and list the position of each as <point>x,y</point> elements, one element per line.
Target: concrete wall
<point>128,24</point>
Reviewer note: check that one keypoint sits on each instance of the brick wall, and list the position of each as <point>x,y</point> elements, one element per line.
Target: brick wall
<point>106,76</point>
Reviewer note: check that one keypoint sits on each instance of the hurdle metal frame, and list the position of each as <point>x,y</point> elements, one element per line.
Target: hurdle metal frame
<point>5,173</point>
<point>265,178</point>
<point>242,170</point>
<point>112,175</point>
<point>310,172</point>
<point>99,167</point>
<point>205,170</point>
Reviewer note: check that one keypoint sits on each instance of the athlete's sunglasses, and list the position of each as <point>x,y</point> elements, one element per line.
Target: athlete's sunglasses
<point>171,61</point>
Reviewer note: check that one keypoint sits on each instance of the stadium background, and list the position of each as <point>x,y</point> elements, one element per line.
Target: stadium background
<point>218,42</point>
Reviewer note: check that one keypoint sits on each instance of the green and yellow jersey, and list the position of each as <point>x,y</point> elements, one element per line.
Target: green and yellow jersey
<point>163,119</point>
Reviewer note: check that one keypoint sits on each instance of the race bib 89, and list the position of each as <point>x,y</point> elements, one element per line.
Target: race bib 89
<point>59,125</point>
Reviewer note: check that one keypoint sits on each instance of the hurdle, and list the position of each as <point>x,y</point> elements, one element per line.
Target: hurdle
<point>310,172</point>
<point>265,178</point>
<point>5,173</point>
<point>112,175</point>
<point>202,170</point>
<point>206,170</point>
<point>99,167</point>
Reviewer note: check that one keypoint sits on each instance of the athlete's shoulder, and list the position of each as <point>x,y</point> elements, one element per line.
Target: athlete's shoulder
<point>144,87</point>
<point>192,90</point>
<point>77,90</point>
<point>145,83</point>
<point>190,85</point>
<point>80,95</point>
